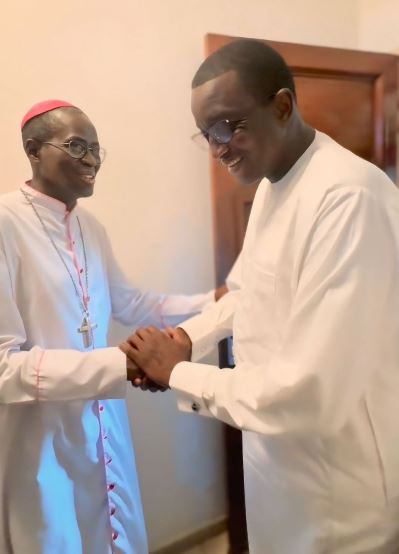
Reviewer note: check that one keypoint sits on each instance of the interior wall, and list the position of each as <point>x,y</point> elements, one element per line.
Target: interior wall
<point>378,24</point>
<point>129,64</point>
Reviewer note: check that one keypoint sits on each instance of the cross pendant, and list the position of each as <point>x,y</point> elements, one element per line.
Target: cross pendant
<point>86,330</point>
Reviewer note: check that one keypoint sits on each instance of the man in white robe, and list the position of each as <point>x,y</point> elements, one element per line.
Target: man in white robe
<point>68,482</point>
<point>315,322</point>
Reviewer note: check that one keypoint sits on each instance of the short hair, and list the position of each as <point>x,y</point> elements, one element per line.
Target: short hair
<point>42,127</point>
<point>261,69</point>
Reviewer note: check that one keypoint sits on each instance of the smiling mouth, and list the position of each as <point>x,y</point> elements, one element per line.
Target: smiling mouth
<point>231,164</point>
<point>88,178</point>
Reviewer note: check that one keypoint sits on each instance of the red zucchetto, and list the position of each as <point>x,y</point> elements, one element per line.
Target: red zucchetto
<point>43,107</point>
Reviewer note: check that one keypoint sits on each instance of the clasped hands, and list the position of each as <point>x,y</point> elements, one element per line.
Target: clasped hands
<point>152,354</point>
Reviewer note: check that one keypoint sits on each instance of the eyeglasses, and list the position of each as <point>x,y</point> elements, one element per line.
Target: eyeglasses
<point>78,149</point>
<point>223,131</point>
<point>220,132</point>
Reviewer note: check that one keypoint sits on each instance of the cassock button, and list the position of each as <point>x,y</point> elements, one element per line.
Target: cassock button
<point>111,487</point>
<point>113,510</point>
<point>195,407</point>
<point>114,535</point>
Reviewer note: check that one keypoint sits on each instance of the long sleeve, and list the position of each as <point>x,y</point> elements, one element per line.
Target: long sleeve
<point>233,279</point>
<point>41,374</point>
<point>337,335</point>
<point>135,308</point>
<point>216,320</point>
<point>212,325</point>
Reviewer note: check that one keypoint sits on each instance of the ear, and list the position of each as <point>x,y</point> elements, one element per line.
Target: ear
<point>32,149</point>
<point>284,104</point>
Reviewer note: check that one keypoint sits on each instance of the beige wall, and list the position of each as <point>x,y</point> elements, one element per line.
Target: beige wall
<point>128,64</point>
<point>378,25</point>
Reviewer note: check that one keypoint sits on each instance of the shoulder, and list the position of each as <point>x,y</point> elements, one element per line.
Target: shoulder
<point>11,204</point>
<point>10,199</point>
<point>337,166</point>
<point>336,173</point>
<point>338,186</point>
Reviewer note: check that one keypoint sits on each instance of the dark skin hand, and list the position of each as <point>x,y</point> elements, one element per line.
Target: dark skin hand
<point>137,377</point>
<point>156,353</point>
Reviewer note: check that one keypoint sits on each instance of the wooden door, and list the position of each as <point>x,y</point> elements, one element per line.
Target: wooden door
<point>351,96</point>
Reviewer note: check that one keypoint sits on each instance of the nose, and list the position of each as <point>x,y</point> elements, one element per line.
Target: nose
<point>218,150</point>
<point>90,159</point>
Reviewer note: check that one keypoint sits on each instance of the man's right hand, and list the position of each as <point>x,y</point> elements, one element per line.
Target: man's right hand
<point>138,378</point>
<point>157,352</point>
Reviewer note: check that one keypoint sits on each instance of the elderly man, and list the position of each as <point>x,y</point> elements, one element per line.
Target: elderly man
<point>315,324</point>
<point>68,482</point>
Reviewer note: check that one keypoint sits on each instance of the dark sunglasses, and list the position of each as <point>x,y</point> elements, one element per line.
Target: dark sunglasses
<point>222,131</point>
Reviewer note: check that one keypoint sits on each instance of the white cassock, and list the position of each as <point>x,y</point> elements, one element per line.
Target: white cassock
<point>68,482</point>
<point>316,338</point>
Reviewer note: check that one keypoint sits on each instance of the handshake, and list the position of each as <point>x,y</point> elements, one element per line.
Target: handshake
<point>152,354</point>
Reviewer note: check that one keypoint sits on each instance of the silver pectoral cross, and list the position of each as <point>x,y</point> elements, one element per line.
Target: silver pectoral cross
<point>86,330</point>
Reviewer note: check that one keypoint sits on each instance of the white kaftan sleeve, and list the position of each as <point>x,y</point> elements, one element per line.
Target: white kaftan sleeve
<point>212,325</point>
<point>233,279</point>
<point>135,308</point>
<point>216,321</point>
<point>336,338</point>
<point>51,375</point>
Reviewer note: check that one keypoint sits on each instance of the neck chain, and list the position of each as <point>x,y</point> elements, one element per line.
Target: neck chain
<point>86,328</point>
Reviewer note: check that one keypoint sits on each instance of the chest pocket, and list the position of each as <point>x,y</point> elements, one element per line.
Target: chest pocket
<point>256,329</point>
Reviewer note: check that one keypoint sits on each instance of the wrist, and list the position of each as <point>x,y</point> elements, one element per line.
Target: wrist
<point>186,341</point>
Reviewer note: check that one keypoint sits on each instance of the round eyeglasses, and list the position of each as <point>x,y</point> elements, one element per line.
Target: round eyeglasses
<point>78,149</point>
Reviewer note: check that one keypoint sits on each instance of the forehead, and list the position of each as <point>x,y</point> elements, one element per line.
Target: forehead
<point>72,122</point>
<point>223,97</point>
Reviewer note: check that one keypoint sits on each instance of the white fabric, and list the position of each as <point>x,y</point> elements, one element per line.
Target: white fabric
<point>316,386</point>
<point>233,279</point>
<point>68,482</point>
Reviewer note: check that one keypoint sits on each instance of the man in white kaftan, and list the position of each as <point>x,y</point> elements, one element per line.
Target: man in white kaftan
<point>68,482</point>
<point>315,324</point>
